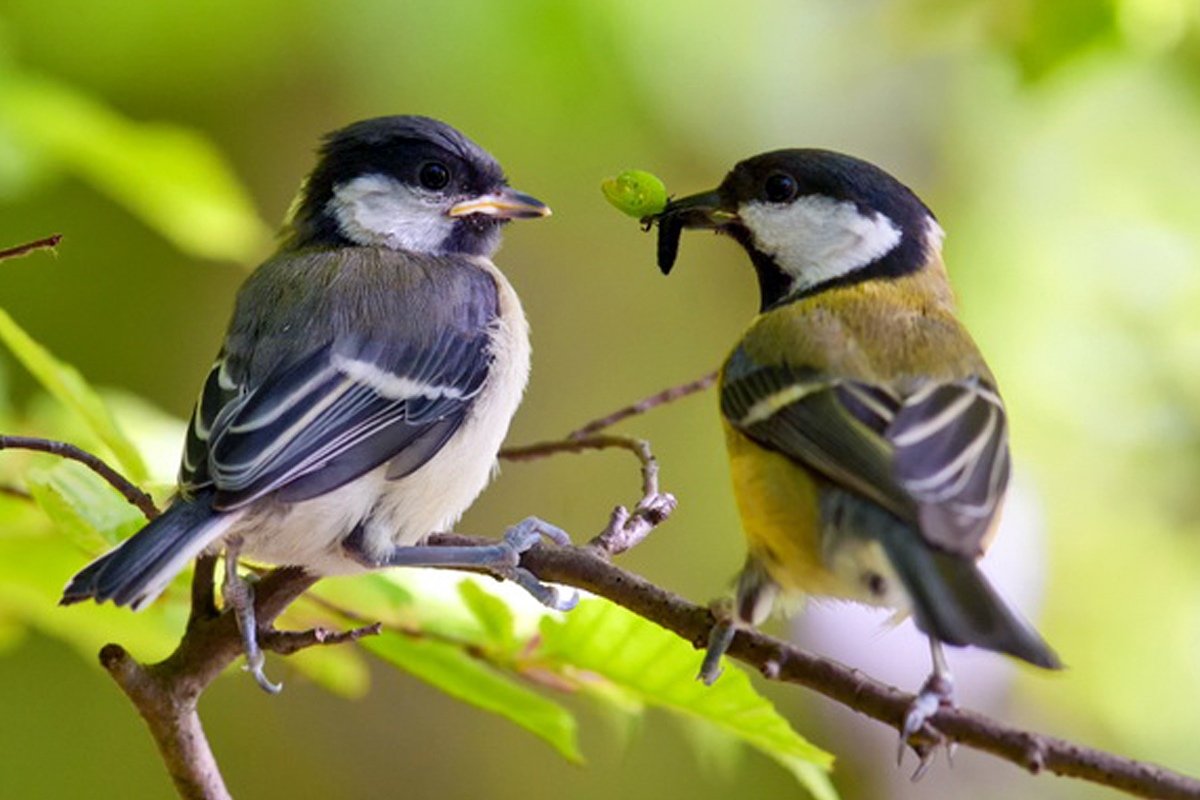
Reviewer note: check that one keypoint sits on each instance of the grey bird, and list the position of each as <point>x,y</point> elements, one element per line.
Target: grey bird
<point>366,381</point>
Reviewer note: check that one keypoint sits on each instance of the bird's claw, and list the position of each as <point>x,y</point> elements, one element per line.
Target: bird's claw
<point>937,692</point>
<point>529,531</point>
<point>719,639</point>
<point>520,538</point>
<point>254,665</point>
<point>239,597</point>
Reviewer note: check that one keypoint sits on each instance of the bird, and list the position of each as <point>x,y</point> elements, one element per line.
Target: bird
<point>368,375</point>
<point>867,438</point>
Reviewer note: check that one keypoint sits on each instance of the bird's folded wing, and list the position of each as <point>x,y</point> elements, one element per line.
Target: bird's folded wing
<point>937,458</point>
<point>332,416</point>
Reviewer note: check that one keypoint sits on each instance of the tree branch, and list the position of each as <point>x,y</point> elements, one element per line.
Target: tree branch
<point>584,568</point>
<point>128,490</point>
<point>166,693</point>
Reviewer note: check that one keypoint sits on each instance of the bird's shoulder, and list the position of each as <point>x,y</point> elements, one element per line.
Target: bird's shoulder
<point>898,333</point>
<point>301,300</point>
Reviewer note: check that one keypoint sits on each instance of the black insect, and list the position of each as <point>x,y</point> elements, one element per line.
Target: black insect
<point>670,226</point>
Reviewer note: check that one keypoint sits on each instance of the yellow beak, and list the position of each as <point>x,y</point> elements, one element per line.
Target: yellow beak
<point>504,204</point>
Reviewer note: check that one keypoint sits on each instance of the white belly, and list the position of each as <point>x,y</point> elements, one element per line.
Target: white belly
<point>404,511</point>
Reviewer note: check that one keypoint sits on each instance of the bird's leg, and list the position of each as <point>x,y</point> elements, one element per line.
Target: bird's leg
<point>719,639</point>
<point>755,596</point>
<point>502,559</point>
<point>938,691</point>
<point>239,596</point>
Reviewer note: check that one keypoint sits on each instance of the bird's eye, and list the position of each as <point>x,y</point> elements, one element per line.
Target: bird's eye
<point>434,175</point>
<point>780,188</point>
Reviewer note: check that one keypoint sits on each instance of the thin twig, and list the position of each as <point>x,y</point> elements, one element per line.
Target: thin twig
<point>645,404</point>
<point>49,243</point>
<point>625,529</point>
<point>128,490</point>
<point>287,642</point>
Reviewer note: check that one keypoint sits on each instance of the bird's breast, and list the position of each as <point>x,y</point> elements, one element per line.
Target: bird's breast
<point>433,498</point>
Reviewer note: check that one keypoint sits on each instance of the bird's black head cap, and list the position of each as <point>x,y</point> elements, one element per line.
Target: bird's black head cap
<point>785,205</point>
<point>428,159</point>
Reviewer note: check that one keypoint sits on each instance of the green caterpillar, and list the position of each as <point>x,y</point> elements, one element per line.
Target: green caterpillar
<point>636,192</point>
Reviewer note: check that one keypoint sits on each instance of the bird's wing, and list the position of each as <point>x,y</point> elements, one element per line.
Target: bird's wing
<point>937,458</point>
<point>312,426</point>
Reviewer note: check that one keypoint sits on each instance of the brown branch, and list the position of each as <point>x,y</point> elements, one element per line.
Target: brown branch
<point>48,243</point>
<point>128,490</point>
<point>166,693</point>
<point>777,660</point>
<point>645,404</point>
<point>287,642</point>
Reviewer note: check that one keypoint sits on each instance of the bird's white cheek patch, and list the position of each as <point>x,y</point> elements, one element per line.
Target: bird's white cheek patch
<point>816,239</point>
<point>380,211</point>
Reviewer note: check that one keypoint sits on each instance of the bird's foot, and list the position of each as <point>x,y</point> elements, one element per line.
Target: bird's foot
<point>521,537</point>
<point>937,693</point>
<point>502,559</point>
<point>719,639</point>
<point>239,596</point>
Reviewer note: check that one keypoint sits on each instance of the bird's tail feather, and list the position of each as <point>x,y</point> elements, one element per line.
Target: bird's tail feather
<point>954,602</point>
<point>136,571</point>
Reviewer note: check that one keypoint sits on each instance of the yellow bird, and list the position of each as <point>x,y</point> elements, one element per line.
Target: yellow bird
<point>866,436</point>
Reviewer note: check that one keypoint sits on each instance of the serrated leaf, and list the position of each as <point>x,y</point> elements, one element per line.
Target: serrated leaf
<point>448,667</point>
<point>657,665</point>
<point>69,387</point>
<point>172,178</point>
<point>83,505</point>
<point>497,619</point>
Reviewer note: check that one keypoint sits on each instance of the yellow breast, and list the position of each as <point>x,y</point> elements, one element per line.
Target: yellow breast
<point>780,514</point>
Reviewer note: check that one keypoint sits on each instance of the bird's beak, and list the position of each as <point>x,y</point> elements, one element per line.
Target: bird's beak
<point>704,210</point>
<point>505,204</point>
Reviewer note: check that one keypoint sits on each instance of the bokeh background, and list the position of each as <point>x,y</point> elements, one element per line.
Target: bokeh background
<point>1059,144</point>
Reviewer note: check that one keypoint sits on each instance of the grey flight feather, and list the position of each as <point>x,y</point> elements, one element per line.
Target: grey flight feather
<point>936,459</point>
<point>138,570</point>
<point>299,403</point>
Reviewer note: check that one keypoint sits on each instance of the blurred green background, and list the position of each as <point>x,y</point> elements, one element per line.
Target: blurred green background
<point>1058,142</point>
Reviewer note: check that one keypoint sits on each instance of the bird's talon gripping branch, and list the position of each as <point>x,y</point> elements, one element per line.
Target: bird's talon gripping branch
<point>719,639</point>
<point>927,758</point>
<point>937,692</point>
<point>520,538</point>
<point>239,597</point>
<point>529,531</point>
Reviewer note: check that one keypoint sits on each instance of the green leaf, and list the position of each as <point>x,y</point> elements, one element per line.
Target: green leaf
<point>448,667</point>
<point>493,614</point>
<point>175,180</point>
<point>660,668</point>
<point>83,505</point>
<point>69,387</point>
<point>33,570</point>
